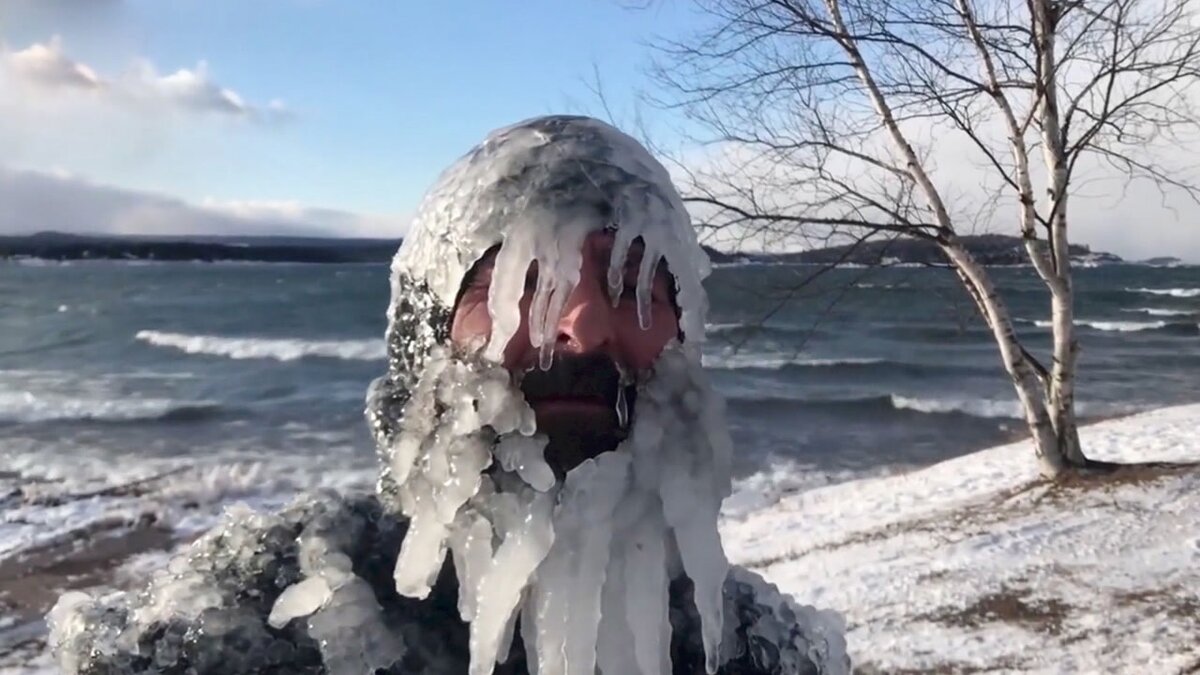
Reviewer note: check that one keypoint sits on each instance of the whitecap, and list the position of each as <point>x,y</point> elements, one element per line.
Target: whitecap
<point>736,361</point>
<point>280,349</point>
<point>1156,311</point>
<point>1172,292</point>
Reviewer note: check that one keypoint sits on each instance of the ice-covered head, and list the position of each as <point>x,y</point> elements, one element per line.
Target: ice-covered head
<point>552,274</point>
<point>548,209</point>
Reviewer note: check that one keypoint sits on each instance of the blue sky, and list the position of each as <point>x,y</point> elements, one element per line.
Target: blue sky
<point>355,106</point>
<point>332,117</point>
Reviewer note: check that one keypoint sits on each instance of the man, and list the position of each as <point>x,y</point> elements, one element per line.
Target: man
<point>553,462</point>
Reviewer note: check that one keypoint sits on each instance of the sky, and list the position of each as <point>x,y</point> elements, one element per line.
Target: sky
<point>332,117</point>
<point>305,115</point>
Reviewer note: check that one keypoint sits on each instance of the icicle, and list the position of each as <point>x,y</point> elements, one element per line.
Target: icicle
<point>403,455</point>
<point>613,655</point>
<point>616,262</point>
<point>519,554</point>
<point>622,408</point>
<point>538,330</point>
<point>645,287</point>
<point>421,556</point>
<point>472,549</point>
<point>646,594</point>
<point>566,600</point>
<point>507,287</point>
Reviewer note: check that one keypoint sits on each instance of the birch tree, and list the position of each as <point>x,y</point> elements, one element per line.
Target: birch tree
<point>851,118</point>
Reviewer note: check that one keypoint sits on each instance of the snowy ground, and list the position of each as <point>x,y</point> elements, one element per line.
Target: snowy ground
<point>974,565</point>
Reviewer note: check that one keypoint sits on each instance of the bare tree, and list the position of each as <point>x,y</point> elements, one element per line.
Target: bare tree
<point>846,118</point>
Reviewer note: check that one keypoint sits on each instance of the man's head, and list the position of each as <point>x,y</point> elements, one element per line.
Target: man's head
<point>545,418</point>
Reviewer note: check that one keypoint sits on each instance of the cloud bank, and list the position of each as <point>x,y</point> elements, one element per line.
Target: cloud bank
<point>44,70</point>
<point>32,201</point>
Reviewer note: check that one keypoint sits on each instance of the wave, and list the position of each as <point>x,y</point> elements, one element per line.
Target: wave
<point>975,407</point>
<point>776,362</point>
<point>883,287</point>
<point>1122,326</point>
<point>884,403</point>
<point>1173,292</point>
<point>27,408</point>
<point>284,349</point>
<point>1155,311</point>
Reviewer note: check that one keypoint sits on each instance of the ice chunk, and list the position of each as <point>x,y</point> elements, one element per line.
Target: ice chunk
<point>526,456</point>
<point>298,600</point>
<point>351,634</point>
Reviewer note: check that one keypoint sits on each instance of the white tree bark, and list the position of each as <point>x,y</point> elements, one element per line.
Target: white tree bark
<point>1061,389</point>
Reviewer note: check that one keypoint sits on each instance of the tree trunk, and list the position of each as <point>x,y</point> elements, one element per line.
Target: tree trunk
<point>1060,395</point>
<point>1047,439</point>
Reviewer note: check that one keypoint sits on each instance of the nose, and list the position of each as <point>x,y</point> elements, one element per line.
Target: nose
<point>586,322</point>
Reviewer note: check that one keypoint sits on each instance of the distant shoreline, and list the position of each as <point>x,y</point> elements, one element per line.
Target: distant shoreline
<point>991,250</point>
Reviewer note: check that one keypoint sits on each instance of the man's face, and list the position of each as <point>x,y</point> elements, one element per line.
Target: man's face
<point>592,335</point>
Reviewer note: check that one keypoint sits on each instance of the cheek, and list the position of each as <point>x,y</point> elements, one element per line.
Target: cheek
<point>472,324</point>
<point>642,347</point>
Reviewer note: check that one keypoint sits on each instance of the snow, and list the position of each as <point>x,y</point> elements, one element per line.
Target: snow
<point>975,563</point>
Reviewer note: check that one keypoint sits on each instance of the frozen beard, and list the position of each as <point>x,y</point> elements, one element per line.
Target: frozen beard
<point>583,563</point>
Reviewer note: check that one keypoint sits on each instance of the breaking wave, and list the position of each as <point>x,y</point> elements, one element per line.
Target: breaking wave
<point>1128,326</point>
<point>1155,311</point>
<point>758,361</point>
<point>26,408</point>
<point>884,403</point>
<point>1173,292</point>
<point>983,408</point>
<point>285,349</point>
<point>975,407</point>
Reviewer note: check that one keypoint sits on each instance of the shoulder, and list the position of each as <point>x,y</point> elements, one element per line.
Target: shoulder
<point>208,611</point>
<point>765,631</point>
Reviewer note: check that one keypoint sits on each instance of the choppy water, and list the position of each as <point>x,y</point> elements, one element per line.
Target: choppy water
<point>216,383</point>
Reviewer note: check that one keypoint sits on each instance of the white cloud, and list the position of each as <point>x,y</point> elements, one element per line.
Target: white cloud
<point>47,68</point>
<point>46,64</point>
<point>35,201</point>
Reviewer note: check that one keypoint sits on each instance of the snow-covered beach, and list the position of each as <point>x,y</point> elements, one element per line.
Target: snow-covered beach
<point>975,565</point>
<point>970,565</point>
